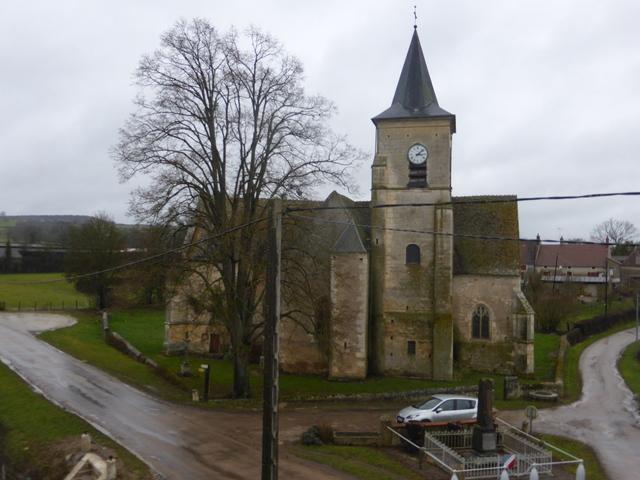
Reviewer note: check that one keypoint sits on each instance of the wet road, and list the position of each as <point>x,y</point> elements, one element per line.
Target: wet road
<point>607,416</point>
<point>179,442</point>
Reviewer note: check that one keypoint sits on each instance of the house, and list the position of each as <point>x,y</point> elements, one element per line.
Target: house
<point>404,290</point>
<point>589,265</point>
<point>630,268</point>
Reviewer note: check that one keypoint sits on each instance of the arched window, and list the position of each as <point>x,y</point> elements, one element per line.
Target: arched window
<point>413,255</point>
<point>480,322</point>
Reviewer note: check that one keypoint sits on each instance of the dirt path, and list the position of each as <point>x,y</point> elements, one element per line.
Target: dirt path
<point>607,416</point>
<point>179,442</point>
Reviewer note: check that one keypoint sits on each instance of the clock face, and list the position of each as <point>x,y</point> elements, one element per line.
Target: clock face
<point>418,154</point>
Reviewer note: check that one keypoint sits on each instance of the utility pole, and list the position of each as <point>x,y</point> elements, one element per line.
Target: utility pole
<point>637,317</point>
<point>555,272</point>
<point>606,284</point>
<point>271,347</point>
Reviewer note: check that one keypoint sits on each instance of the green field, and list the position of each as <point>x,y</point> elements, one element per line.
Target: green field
<point>629,366</point>
<point>41,291</point>
<point>546,354</point>
<point>592,466</point>
<point>5,226</point>
<point>145,330</point>
<point>361,462</point>
<point>32,427</point>
<point>588,311</point>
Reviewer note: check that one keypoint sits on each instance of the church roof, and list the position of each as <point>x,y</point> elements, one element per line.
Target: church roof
<point>415,96</point>
<point>349,241</point>
<point>478,256</point>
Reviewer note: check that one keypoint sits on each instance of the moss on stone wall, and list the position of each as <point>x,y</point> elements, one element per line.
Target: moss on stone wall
<point>480,256</point>
<point>488,357</point>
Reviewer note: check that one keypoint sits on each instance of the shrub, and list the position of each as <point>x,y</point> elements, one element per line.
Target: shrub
<point>312,437</point>
<point>597,324</point>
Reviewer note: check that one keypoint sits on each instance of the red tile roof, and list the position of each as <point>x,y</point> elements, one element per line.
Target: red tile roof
<point>572,255</point>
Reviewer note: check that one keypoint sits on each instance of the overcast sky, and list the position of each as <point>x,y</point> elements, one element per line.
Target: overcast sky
<point>546,94</point>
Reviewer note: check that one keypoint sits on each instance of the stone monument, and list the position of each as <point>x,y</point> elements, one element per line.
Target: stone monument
<point>484,439</point>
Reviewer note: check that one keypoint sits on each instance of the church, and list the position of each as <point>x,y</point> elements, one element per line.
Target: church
<point>415,281</point>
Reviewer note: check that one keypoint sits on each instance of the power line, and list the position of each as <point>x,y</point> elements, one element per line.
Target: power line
<point>141,260</point>
<point>469,201</point>
<point>462,235</point>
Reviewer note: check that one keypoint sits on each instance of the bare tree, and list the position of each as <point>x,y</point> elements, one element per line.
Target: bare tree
<point>616,231</point>
<point>222,125</point>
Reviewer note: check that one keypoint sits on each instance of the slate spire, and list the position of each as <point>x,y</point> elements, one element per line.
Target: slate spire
<point>415,96</point>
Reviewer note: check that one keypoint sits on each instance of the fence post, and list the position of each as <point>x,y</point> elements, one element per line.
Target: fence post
<point>580,473</point>
<point>454,476</point>
<point>504,475</point>
<point>534,474</point>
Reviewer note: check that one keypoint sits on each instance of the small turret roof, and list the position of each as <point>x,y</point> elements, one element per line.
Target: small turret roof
<point>415,96</point>
<point>349,241</point>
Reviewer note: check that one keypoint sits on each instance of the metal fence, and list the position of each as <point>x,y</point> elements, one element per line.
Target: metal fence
<point>447,450</point>
<point>44,306</point>
<point>527,453</point>
<point>435,448</point>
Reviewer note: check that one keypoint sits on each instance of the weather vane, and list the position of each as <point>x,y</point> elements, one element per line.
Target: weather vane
<point>415,18</point>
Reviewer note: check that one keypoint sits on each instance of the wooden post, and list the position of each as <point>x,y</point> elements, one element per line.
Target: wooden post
<point>271,346</point>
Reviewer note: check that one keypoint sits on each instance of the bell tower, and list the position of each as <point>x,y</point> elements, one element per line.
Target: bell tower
<point>412,246</point>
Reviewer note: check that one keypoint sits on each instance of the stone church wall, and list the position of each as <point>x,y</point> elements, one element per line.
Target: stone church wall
<point>499,353</point>
<point>349,315</point>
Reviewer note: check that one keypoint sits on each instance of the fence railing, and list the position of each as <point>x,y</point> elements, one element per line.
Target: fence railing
<point>46,306</point>
<point>521,450</point>
<point>438,449</point>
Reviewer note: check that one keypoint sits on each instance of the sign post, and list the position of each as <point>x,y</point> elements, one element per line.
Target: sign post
<point>207,378</point>
<point>531,412</point>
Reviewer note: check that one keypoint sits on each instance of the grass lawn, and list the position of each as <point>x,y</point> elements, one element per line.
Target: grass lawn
<point>594,309</point>
<point>546,353</point>
<point>33,425</point>
<point>145,330</point>
<point>361,462</point>
<point>84,341</point>
<point>629,367</point>
<point>16,290</point>
<point>592,466</point>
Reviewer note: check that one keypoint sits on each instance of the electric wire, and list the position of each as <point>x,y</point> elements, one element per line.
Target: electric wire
<point>468,201</point>
<point>289,211</point>
<point>140,260</point>
<point>461,235</point>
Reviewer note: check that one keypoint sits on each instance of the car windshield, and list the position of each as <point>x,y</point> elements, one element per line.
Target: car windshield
<point>429,404</point>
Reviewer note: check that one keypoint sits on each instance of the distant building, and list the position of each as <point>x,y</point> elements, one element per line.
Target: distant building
<point>630,268</point>
<point>588,265</point>
<point>402,292</point>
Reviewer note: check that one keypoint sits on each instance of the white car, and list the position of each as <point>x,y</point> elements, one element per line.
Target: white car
<point>441,408</point>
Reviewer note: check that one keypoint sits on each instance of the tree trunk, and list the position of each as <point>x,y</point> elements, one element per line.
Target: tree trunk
<point>102,298</point>
<point>241,387</point>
